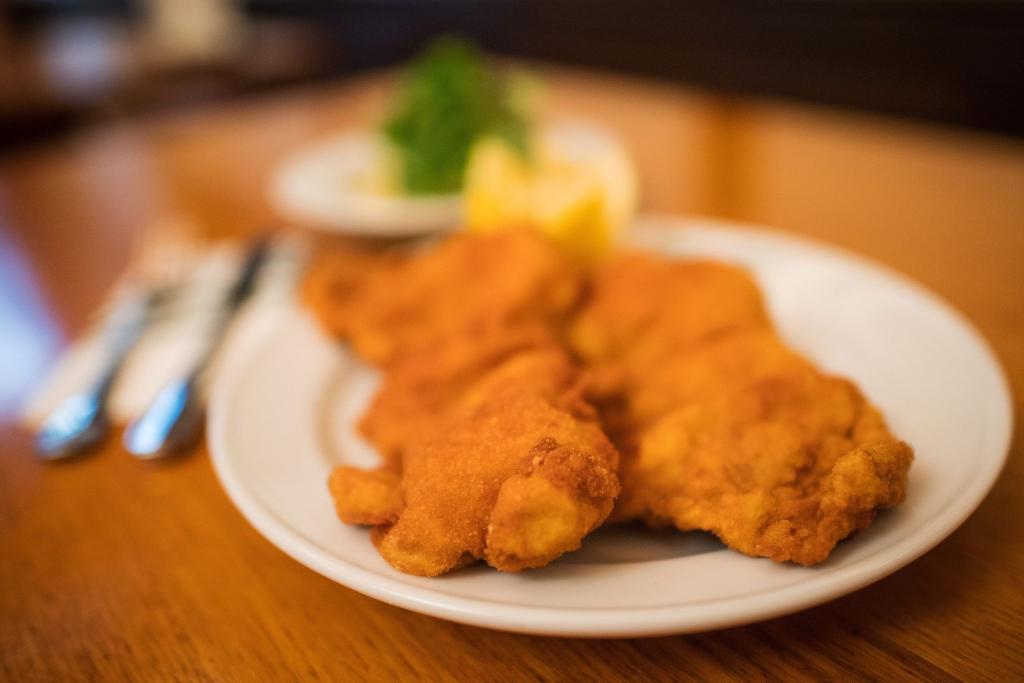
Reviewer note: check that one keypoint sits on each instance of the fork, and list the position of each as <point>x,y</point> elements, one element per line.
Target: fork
<point>162,258</point>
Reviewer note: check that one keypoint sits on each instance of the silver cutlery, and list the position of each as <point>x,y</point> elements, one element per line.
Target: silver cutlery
<point>81,421</point>
<point>173,422</point>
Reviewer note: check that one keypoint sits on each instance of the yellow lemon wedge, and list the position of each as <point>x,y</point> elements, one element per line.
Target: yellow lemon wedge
<point>577,186</point>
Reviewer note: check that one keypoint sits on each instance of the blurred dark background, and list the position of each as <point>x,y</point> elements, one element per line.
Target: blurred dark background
<point>67,63</point>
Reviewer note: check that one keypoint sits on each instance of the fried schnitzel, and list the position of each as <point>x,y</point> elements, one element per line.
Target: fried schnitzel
<point>490,451</point>
<point>642,311</point>
<point>721,427</point>
<point>420,386</point>
<point>752,443</point>
<point>466,286</point>
<point>515,473</point>
<point>642,308</point>
<point>335,280</point>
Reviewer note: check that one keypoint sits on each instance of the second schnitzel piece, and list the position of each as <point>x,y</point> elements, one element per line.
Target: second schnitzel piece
<point>642,308</point>
<point>515,473</point>
<point>745,439</point>
<point>423,385</point>
<point>467,286</point>
<point>721,426</point>
<point>335,281</point>
<point>641,311</point>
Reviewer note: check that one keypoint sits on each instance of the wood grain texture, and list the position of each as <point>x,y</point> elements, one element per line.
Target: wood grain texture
<point>114,569</point>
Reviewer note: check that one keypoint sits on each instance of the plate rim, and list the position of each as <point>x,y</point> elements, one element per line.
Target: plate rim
<point>390,217</point>
<point>624,621</point>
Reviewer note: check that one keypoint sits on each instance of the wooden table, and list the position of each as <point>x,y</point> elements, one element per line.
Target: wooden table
<point>114,569</point>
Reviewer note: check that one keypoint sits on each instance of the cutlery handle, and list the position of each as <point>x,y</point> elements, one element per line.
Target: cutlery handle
<point>122,331</point>
<point>246,281</point>
<point>237,294</point>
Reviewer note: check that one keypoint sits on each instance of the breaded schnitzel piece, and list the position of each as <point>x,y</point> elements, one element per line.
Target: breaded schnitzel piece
<point>641,309</point>
<point>516,473</point>
<point>721,426</point>
<point>334,281</point>
<point>425,384</point>
<point>490,451</point>
<point>744,438</point>
<point>467,286</point>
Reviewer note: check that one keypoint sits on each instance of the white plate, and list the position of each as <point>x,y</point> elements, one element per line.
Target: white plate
<point>283,417</point>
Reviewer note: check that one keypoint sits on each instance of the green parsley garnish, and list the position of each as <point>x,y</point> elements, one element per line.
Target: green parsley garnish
<point>448,99</point>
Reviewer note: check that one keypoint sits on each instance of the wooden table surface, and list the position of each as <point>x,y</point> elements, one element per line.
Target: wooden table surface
<point>114,569</point>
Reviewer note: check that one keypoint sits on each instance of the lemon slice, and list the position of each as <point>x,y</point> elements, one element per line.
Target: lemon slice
<point>578,187</point>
